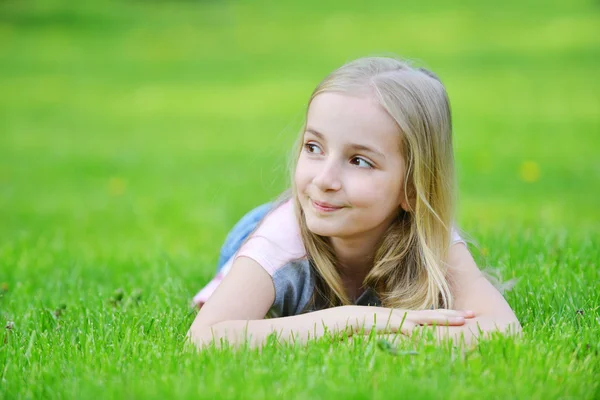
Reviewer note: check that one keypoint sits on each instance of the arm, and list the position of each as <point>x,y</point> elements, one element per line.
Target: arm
<point>472,291</point>
<point>236,309</point>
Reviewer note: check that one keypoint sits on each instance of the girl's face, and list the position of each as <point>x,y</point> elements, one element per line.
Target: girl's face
<point>350,173</point>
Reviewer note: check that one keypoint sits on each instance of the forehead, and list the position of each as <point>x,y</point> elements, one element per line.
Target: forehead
<point>354,119</point>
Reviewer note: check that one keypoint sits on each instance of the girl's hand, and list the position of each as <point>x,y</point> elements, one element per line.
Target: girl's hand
<point>388,320</point>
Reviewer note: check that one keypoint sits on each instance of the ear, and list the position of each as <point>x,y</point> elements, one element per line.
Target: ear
<point>408,200</point>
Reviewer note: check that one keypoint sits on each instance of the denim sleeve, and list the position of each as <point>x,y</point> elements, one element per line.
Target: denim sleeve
<point>240,232</point>
<point>294,285</point>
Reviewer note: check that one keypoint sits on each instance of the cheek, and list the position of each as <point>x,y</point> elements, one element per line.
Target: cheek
<point>301,176</point>
<point>306,170</point>
<point>380,192</point>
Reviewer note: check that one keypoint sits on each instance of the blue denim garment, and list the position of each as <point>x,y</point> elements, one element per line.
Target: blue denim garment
<point>294,282</point>
<point>240,231</point>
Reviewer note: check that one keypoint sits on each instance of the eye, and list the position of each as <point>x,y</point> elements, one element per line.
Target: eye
<point>361,162</point>
<point>312,148</point>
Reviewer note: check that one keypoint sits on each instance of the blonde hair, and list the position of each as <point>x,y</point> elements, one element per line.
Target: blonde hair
<point>409,269</point>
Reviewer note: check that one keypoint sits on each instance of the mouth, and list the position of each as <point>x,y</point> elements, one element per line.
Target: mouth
<point>324,207</point>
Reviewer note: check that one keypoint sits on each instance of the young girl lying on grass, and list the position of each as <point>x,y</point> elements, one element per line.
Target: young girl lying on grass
<point>365,239</point>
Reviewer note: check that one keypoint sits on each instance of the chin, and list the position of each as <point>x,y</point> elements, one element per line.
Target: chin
<point>323,229</point>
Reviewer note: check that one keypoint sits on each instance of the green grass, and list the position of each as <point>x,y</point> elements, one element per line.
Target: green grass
<point>134,135</point>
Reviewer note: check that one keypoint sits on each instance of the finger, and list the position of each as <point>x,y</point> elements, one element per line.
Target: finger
<point>440,317</point>
<point>456,313</point>
<point>407,327</point>
<point>440,320</point>
<point>450,313</point>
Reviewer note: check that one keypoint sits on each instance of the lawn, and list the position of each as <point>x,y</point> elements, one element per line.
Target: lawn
<point>134,134</point>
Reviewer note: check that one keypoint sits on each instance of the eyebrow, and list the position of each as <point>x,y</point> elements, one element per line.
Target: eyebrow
<point>353,145</point>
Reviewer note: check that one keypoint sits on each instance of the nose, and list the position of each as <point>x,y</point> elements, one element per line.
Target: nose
<point>328,177</point>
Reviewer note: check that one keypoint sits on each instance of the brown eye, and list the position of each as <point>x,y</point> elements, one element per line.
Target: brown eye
<point>361,162</point>
<point>312,148</point>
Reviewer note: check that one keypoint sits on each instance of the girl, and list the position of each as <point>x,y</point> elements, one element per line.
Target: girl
<point>364,240</point>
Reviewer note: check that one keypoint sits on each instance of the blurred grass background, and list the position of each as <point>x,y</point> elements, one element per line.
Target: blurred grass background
<point>134,134</point>
<point>143,129</point>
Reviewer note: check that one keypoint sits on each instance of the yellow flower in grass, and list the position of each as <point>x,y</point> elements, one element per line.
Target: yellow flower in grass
<point>117,186</point>
<point>529,171</point>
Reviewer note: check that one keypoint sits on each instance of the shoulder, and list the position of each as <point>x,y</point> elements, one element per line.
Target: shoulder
<point>276,241</point>
<point>455,236</point>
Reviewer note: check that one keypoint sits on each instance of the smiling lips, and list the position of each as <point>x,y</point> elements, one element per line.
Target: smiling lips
<point>325,207</point>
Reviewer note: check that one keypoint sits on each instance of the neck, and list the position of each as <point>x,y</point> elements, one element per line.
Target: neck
<point>355,256</point>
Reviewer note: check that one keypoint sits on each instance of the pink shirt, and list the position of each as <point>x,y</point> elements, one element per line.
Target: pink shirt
<point>273,244</point>
<point>277,246</point>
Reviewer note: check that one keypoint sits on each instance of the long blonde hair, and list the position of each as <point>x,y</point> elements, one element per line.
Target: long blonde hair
<point>409,269</point>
